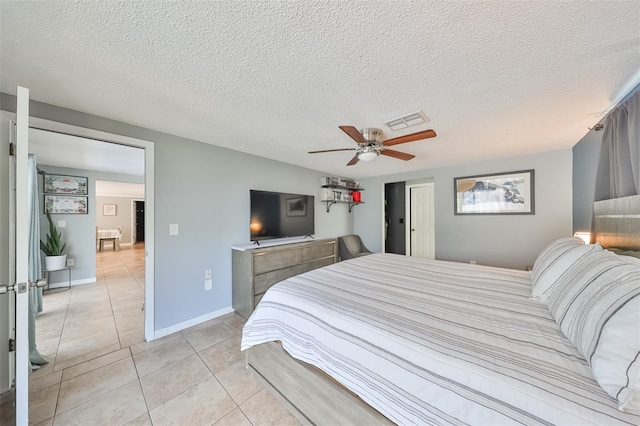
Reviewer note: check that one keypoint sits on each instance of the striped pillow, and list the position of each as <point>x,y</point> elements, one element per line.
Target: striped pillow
<point>553,261</point>
<point>596,303</point>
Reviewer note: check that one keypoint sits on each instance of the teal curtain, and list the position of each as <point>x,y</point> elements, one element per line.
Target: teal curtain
<point>35,265</point>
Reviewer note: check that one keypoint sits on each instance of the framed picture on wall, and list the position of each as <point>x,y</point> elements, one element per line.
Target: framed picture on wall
<point>109,210</point>
<point>297,206</point>
<point>63,184</point>
<point>499,193</point>
<point>66,204</point>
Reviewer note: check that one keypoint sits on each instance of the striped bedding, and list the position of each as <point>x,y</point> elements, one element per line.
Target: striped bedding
<point>433,342</point>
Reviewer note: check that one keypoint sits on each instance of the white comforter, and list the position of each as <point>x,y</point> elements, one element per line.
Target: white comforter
<point>432,342</point>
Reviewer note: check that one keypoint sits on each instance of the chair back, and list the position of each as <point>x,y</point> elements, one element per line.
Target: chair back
<point>351,246</point>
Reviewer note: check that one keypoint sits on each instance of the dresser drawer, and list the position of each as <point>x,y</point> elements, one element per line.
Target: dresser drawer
<point>270,261</point>
<point>262,282</point>
<point>318,251</point>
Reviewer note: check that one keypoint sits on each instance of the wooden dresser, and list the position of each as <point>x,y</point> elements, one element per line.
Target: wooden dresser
<point>256,269</point>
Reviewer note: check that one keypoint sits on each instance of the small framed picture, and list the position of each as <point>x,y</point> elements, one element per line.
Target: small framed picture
<point>109,210</point>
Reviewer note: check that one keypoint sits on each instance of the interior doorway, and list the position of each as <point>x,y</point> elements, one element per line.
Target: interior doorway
<point>394,218</point>
<point>149,198</point>
<point>138,221</point>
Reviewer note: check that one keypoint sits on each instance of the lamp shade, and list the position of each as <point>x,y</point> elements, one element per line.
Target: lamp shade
<point>586,236</point>
<point>369,154</point>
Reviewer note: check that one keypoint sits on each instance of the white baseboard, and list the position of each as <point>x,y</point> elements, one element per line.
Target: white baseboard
<point>73,283</point>
<point>190,323</point>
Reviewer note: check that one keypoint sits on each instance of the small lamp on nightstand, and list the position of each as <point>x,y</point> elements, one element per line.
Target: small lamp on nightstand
<point>586,236</point>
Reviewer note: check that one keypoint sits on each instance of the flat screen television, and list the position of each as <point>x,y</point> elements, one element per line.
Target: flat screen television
<point>280,215</point>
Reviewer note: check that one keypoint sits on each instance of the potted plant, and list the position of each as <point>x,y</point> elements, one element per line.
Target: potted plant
<point>53,248</point>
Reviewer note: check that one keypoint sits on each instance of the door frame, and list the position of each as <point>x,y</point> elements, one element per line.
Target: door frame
<point>407,214</point>
<point>20,272</point>
<point>149,223</point>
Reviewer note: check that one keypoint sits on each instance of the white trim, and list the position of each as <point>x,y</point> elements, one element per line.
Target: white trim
<point>194,321</point>
<point>148,146</point>
<point>74,283</point>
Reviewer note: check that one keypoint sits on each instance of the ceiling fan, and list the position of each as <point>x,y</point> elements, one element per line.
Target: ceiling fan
<point>370,144</point>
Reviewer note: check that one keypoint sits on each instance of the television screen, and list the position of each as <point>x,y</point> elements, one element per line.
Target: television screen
<point>280,215</point>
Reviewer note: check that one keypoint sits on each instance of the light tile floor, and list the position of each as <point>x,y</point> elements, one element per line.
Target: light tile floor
<point>101,372</point>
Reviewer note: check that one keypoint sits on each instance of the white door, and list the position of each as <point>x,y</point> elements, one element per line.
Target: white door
<point>421,221</point>
<point>20,253</point>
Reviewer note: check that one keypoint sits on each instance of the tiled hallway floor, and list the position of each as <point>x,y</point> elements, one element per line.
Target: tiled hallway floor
<point>101,372</point>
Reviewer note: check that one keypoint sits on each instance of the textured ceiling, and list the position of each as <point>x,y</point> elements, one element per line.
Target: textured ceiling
<point>277,78</point>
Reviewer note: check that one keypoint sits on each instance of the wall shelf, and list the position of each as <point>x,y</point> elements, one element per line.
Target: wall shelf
<point>343,189</point>
<point>332,202</point>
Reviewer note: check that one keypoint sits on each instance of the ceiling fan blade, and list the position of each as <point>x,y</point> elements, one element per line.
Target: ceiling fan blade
<point>333,150</point>
<point>354,134</point>
<point>353,161</point>
<point>397,154</point>
<point>425,134</point>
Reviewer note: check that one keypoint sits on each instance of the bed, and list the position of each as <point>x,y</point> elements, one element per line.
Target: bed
<point>392,339</point>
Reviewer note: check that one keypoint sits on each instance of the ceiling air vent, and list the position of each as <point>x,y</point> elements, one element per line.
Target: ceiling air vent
<point>408,120</point>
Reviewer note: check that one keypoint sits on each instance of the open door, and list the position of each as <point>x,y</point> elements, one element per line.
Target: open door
<point>18,254</point>
<point>421,238</point>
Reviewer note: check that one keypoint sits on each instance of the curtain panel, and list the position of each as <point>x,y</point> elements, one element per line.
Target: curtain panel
<point>618,173</point>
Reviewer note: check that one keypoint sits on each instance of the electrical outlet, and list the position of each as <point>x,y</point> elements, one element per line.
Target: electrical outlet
<point>208,285</point>
<point>207,274</point>
<point>71,262</point>
<point>62,223</point>
<point>173,229</point>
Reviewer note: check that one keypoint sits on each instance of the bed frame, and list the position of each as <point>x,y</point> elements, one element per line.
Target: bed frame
<point>315,398</point>
<point>310,394</point>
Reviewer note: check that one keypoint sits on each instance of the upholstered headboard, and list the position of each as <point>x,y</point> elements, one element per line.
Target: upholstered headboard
<point>616,222</point>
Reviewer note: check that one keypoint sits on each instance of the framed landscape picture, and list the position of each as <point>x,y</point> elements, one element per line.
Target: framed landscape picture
<point>63,184</point>
<point>297,206</point>
<point>66,204</point>
<point>499,193</point>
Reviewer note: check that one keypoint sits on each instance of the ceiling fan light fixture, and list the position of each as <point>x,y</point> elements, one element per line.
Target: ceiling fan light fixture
<point>369,154</point>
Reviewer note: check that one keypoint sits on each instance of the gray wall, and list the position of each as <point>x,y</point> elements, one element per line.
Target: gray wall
<point>122,217</point>
<point>204,189</point>
<point>512,241</point>
<point>80,230</point>
<point>585,164</point>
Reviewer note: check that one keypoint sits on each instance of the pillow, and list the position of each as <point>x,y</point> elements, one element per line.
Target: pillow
<point>553,261</point>
<point>596,303</point>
